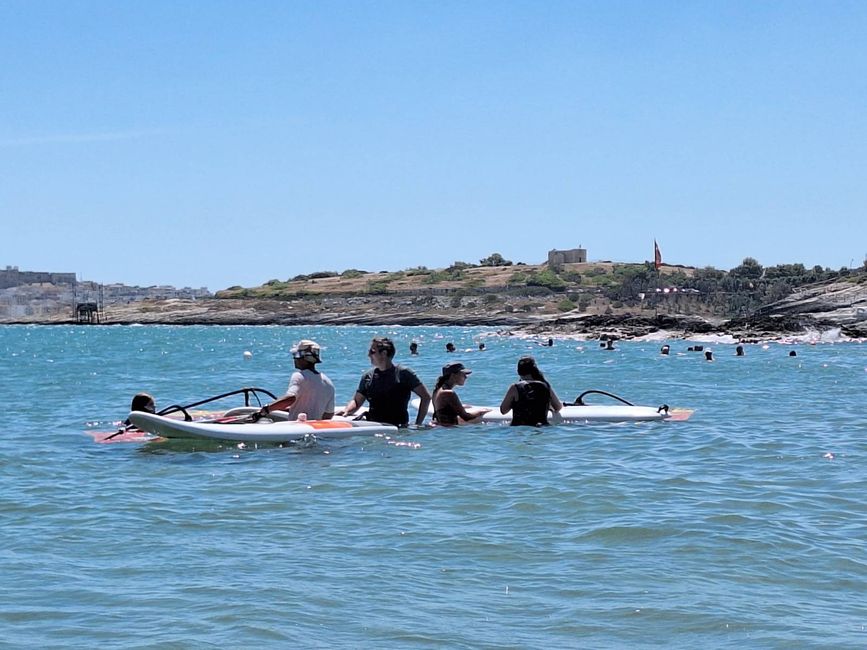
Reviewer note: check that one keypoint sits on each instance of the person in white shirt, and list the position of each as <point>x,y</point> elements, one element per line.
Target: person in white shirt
<point>310,391</point>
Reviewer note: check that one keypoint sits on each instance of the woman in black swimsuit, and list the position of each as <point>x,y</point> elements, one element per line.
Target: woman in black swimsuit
<point>448,409</point>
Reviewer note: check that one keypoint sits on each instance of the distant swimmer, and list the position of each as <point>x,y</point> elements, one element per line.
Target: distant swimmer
<point>609,344</point>
<point>708,355</point>
<point>739,351</point>
<point>413,348</point>
<point>664,350</point>
<point>482,347</point>
<point>792,353</point>
<point>450,347</point>
<point>550,343</point>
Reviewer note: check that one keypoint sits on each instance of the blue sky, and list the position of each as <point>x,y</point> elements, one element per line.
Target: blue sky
<point>210,143</point>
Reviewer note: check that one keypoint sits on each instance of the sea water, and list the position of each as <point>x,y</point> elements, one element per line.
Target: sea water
<point>744,527</point>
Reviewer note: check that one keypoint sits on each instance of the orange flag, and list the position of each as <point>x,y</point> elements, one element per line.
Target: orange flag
<point>657,256</point>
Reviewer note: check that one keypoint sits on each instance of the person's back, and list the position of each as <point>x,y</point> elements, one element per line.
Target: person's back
<point>531,406</point>
<point>310,391</point>
<point>446,403</point>
<point>314,394</point>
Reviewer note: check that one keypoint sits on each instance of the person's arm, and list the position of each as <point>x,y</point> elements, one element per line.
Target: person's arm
<point>509,399</point>
<point>354,404</point>
<point>556,404</point>
<point>424,403</point>
<point>289,398</point>
<point>468,415</point>
<point>279,405</point>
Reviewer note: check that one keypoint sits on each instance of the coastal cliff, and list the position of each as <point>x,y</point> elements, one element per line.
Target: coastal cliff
<point>490,297</point>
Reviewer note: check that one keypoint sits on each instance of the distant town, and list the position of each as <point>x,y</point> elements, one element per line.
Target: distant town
<point>28,294</point>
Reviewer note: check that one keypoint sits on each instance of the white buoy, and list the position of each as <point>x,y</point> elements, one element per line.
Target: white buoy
<point>248,354</point>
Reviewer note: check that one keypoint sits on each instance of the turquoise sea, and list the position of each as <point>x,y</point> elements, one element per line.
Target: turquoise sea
<point>745,527</point>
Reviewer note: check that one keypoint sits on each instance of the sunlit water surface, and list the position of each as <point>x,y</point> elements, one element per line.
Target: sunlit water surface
<point>743,527</point>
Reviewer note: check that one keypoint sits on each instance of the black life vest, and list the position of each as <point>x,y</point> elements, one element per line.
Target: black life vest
<point>531,407</point>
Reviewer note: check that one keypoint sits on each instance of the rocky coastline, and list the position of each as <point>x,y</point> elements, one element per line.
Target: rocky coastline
<point>841,307</point>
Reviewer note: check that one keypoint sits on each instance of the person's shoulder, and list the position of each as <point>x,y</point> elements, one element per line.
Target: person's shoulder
<point>409,375</point>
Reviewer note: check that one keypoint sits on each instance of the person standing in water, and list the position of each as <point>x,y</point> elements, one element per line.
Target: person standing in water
<point>531,398</point>
<point>310,391</point>
<point>387,386</point>
<point>448,408</point>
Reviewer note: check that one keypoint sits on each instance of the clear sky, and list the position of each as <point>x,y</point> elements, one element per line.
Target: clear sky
<point>210,143</point>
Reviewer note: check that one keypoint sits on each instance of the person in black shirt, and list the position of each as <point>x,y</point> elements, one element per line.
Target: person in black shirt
<point>387,387</point>
<point>531,398</point>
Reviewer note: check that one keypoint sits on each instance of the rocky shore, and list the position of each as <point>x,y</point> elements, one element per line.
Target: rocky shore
<point>834,306</point>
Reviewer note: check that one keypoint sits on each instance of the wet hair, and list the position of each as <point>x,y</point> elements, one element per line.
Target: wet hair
<point>527,366</point>
<point>384,344</point>
<point>142,402</point>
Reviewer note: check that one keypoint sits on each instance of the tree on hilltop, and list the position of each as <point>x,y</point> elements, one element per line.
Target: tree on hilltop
<point>748,269</point>
<point>495,259</point>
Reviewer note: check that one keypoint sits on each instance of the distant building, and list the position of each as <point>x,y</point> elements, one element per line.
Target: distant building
<point>571,256</point>
<point>12,277</point>
<point>27,294</point>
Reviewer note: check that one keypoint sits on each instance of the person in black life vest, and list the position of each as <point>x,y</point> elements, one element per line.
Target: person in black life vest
<point>530,398</point>
<point>448,408</point>
<point>387,387</point>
